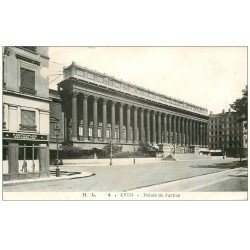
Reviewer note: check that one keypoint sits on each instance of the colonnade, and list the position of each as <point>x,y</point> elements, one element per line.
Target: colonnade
<point>154,127</point>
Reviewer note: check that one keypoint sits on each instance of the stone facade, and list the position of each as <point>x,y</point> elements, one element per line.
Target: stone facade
<point>98,108</point>
<point>226,132</point>
<point>25,112</point>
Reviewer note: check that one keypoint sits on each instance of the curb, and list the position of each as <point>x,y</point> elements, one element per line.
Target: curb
<point>52,178</point>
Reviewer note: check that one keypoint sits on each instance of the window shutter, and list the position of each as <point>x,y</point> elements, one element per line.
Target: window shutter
<point>28,118</point>
<point>27,78</point>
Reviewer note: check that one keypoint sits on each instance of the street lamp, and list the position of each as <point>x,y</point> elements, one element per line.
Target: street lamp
<point>57,129</point>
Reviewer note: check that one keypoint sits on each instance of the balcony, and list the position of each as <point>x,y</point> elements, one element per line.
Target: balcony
<point>27,127</point>
<point>27,90</point>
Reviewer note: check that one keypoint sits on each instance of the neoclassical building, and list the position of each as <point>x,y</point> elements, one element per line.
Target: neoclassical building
<point>97,108</point>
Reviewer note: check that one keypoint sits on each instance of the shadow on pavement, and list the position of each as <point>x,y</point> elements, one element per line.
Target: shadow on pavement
<point>228,165</point>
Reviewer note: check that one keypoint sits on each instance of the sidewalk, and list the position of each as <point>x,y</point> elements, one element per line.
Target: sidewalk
<point>129,161</point>
<point>51,178</point>
<point>192,183</point>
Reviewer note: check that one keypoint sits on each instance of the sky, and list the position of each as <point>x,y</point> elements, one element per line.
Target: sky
<point>211,77</point>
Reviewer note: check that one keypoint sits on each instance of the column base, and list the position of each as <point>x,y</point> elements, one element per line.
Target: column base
<point>95,140</point>
<point>85,139</point>
<point>74,139</point>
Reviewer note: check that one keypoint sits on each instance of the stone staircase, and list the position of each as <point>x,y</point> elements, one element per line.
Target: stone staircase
<point>190,157</point>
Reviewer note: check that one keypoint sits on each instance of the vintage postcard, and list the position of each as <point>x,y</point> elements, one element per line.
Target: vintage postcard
<point>124,123</point>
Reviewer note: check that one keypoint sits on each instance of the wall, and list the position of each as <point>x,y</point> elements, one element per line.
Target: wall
<point>13,107</point>
<point>12,69</point>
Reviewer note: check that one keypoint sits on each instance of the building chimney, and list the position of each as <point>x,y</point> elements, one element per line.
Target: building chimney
<point>229,110</point>
<point>223,111</point>
<point>211,112</point>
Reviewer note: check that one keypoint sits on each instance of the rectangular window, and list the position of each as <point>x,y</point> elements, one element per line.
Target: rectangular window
<point>27,81</point>
<point>99,132</point>
<point>90,132</point>
<point>116,134</point>
<point>108,133</point>
<point>28,120</point>
<point>80,131</point>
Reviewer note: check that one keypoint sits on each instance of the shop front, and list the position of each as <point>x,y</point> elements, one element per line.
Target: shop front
<point>25,156</point>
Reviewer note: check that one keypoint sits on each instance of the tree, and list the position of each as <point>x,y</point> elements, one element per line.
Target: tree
<point>240,106</point>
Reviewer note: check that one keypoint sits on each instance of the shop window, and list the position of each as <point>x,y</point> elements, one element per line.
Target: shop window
<point>27,81</point>
<point>28,120</point>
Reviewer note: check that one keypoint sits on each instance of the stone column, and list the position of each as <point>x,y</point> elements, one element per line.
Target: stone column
<point>200,135</point>
<point>193,137</point>
<point>104,120</point>
<point>74,115</point>
<point>165,138</point>
<point>142,126</point>
<point>197,133</point>
<point>174,129</point>
<point>85,118</point>
<point>182,132</point>
<point>13,156</point>
<point>135,126</point>
<point>169,128</point>
<point>204,134</point>
<point>194,131</point>
<point>187,132</point>
<point>207,134</point>
<point>44,161</point>
<point>154,128</point>
<point>159,127</point>
<point>128,130</point>
<point>95,119</point>
<point>148,127</point>
<point>178,130</point>
<point>121,123</point>
<point>190,132</point>
<point>113,120</point>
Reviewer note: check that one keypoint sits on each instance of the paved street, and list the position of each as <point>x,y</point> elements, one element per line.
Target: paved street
<point>123,178</point>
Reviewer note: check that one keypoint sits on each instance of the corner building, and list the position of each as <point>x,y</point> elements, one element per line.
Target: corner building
<point>97,108</point>
<point>25,112</point>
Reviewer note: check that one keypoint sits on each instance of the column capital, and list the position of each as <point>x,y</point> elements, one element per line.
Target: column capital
<point>128,106</point>
<point>114,102</point>
<point>85,96</point>
<point>135,107</point>
<point>96,98</point>
<point>122,104</point>
<point>148,111</point>
<point>159,113</point>
<point>74,93</point>
<point>105,101</point>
